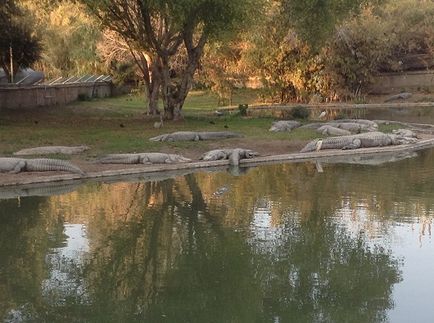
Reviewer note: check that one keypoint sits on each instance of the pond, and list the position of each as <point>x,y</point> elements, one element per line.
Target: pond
<point>279,243</point>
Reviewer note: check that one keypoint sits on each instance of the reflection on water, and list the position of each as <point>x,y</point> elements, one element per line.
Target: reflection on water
<point>276,244</point>
<point>64,263</point>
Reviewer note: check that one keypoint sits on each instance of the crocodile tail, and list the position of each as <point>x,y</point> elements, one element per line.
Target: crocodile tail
<point>159,138</point>
<point>46,164</point>
<point>182,159</point>
<point>120,159</point>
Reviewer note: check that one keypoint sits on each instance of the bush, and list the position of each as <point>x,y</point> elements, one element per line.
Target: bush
<point>243,109</point>
<point>300,112</point>
<point>378,40</point>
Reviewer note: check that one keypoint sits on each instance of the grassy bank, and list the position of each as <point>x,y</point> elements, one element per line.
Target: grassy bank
<point>120,125</point>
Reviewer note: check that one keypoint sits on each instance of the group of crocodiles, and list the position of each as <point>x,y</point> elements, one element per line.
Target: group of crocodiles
<point>332,128</point>
<point>369,137</point>
<point>363,140</point>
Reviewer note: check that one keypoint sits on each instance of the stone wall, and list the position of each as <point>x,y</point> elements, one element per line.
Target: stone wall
<point>406,81</point>
<point>30,97</point>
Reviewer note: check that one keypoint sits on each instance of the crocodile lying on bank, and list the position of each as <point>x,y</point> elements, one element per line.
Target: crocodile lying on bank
<point>405,133</point>
<point>400,96</point>
<point>52,150</point>
<point>16,165</point>
<point>360,121</point>
<point>143,158</point>
<point>284,125</point>
<point>352,125</point>
<point>328,130</point>
<point>196,136</point>
<point>234,155</point>
<point>364,140</point>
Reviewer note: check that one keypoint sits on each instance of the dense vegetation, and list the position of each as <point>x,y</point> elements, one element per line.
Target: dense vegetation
<point>296,50</point>
<point>19,47</point>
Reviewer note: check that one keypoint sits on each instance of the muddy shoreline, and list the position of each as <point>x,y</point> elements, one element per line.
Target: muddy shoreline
<point>22,184</point>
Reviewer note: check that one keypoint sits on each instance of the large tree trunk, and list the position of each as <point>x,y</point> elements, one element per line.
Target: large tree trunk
<point>175,88</point>
<point>173,100</point>
<point>153,90</point>
<point>151,78</point>
<point>153,99</point>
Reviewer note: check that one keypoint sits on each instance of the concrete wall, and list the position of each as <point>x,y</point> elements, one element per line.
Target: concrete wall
<point>29,97</point>
<point>406,81</point>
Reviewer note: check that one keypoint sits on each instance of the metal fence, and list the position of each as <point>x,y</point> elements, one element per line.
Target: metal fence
<point>59,91</point>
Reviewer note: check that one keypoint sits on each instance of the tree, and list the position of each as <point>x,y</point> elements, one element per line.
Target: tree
<point>282,60</point>
<point>223,68</point>
<point>69,36</point>
<point>70,40</point>
<point>315,20</point>
<point>16,39</point>
<point>168,39</point>
<point>391,38</point>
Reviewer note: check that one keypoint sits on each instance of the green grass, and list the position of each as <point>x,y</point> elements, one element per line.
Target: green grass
<point>197,103</point>
<point>389,128</point>
<point>120,125</point>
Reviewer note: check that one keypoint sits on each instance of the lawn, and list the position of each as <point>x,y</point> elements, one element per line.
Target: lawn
<point>120,125</point>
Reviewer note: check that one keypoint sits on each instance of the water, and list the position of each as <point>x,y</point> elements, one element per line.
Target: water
<point>279,243</point>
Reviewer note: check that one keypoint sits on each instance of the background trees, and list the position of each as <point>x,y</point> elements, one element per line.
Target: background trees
<point>16,38</point>
<point>301,50</point>
<point>68,35</point>
<point>315,20</point>
<point>393,37</point>
<point>169,39</point>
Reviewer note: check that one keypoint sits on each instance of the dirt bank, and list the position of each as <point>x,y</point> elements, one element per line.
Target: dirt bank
<point>267,156</point>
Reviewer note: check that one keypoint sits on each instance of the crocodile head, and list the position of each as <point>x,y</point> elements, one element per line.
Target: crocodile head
<point>250,153</point>
<point>311,146</point>
<point>402,140</point>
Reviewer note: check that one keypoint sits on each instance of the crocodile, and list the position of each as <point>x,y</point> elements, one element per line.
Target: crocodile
<point>234,155</point>
<point>195,136</point>
<point>284,125</point>
<point>400,96</point>
<point>352,125</point>
<point>370,139</point>
<point>328,130</point>
<point>360,121</point>
<point>16,165</point>
<point>143,158</point>
<point>52,150</point>
<point>405,133</point>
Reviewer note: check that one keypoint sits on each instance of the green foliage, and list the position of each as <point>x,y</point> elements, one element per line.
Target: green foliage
<point>315,20</point>
<point>16,33</point>
<point>376,41</point>
<point>222,69</point>
<point>170,37</point>
<point>300,112</point>
<point>293,67</point>
<point>70,37</point>
<point>283,61</point>
<point>123,72</point>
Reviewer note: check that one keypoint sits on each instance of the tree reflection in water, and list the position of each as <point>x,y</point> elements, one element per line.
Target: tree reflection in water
<point>271,248</point>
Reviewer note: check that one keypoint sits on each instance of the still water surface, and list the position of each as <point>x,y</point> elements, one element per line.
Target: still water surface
<point>280,243</point>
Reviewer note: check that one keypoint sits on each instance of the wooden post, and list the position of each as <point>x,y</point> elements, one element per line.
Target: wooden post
<point>11,56</point>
